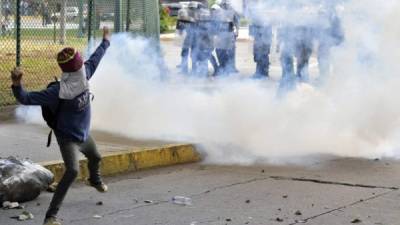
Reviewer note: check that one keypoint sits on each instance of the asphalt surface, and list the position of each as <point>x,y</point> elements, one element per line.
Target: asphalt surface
<point>336,192</point>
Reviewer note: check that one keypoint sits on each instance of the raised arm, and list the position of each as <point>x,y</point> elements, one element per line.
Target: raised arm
<point>94,60</point>
<point>47,97</point>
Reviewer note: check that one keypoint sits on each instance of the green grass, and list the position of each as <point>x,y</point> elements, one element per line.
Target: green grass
<point>38,62</point>
<point>38,53</point>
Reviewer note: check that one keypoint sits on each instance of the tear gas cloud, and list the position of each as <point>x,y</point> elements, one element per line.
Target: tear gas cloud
<point>235,120</point>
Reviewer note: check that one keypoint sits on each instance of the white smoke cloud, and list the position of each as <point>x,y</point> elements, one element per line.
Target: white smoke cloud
<point>234,120</point>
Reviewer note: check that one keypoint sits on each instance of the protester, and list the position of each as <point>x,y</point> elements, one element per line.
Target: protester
<point>69,100</point>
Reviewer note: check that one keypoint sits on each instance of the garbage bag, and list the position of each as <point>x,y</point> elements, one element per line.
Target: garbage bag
<point>22,180</point>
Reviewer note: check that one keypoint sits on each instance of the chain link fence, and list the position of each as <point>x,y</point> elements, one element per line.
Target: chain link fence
<point>32,37</point>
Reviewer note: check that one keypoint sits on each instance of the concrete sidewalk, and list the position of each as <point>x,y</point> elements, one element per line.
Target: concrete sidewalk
<point>29,141</point>
<point>337,192</point>
<point>119,154</point>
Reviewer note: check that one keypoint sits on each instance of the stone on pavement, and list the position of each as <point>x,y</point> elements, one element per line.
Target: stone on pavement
<point>219,195</point>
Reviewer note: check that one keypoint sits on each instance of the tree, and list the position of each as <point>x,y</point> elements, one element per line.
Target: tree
<point>164,18</point>
<point>63,21</point>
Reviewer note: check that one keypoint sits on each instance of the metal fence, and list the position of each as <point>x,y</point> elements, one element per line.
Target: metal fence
<point>33,31</point>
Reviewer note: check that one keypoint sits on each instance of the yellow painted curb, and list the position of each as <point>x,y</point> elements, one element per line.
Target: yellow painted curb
<point>132,160</point>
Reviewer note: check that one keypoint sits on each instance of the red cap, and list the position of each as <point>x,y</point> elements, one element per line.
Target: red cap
<point>69,60</point>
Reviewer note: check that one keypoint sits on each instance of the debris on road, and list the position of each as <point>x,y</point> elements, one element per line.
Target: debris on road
<point>52,187</point>
<point>228,219</point>
<point>278,219</point>
<point>182,200</point>
<point>285,196</point>
<point>25,216</point>
<point>247,201</point>
<point>22,180</point>
<point>356,221</point>
<point>298,213</point>
<point>97,216</point>
<point>148,201</point>
<point>11,205</point>
<point>99,203</point>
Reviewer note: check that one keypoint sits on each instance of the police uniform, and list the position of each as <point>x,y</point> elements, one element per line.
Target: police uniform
<point>186,26</point>
<point>329,34</point>
<point>225,40</point>
<point>303,50</point>
<point>262,35</point>
<point>295,42</point>
<point>204,46</point>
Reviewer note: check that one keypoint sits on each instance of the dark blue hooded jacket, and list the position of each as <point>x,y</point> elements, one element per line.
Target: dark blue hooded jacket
<point>73,120</point>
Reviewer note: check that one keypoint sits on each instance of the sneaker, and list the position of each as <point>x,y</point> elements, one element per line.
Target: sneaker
<point>101,187</point>
<point>51,221</point>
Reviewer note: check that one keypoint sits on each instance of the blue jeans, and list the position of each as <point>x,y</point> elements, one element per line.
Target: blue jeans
<point>69,151</point>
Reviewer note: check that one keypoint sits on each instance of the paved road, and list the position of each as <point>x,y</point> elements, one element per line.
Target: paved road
<point>332,193</point>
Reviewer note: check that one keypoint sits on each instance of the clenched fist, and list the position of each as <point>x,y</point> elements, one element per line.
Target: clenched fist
<point>106,33</point>
<point>16,76</point>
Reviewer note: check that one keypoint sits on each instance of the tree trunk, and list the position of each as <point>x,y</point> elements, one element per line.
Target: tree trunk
<point>63,21</point>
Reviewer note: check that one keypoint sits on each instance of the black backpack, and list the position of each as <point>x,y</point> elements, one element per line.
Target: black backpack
<point>49,116</point>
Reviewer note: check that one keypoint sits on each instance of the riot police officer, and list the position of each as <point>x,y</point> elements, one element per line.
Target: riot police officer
<point>286,48</point>
<point>227,22</point>
<point>203,47</point>
<point>303,51</point>
<point>186,27</point>
<point>261,31</point>
<point>295,42</point>
<point>329,34</point>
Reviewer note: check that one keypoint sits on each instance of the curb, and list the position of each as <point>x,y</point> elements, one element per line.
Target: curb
<point>130,160</point>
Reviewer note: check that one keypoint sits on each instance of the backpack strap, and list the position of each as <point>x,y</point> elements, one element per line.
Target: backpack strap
<point>49,137</point>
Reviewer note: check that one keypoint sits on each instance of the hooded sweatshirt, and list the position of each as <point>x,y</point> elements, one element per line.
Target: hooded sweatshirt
<point>74,112</point>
